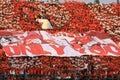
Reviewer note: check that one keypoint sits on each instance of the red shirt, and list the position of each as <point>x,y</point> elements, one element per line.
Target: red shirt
<point>31,70</point>
<point>34,71</point>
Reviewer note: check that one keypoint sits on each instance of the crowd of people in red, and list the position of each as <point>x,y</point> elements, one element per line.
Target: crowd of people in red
<point>60,68</point>
<point>21,16</point>
<point>80,18</point>
<point>68,16</point>
<point>63,16</point>
<point>109,17</point>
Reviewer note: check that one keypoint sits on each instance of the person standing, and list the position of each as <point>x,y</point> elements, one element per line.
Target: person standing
<point>5,76</point>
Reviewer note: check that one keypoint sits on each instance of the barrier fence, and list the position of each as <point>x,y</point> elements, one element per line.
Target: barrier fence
<point>49,77</point>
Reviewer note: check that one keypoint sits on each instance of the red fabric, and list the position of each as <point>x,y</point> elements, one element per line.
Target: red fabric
<point>108,48</point>
<point>1,51</point>
<point>100,50</point>
<point>59,49</point>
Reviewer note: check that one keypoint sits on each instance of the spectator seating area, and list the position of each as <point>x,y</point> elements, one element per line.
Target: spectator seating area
<point>60,68</point>
<point>109,17</point>
<point>71,17</point>
<point>63,16</point>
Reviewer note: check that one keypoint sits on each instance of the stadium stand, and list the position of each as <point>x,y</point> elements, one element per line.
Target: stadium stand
<point>60,68</point>
<point>74,17</point>
<point>109,17</point>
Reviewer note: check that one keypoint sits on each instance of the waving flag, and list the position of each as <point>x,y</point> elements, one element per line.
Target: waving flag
<point>36,43</point>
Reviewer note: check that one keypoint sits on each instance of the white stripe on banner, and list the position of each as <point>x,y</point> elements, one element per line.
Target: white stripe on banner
<point>36,43</point>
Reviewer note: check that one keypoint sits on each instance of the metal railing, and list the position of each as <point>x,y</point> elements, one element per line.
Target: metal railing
<point>49,77</point>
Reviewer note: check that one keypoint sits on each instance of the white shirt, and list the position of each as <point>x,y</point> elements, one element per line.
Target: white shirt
<point>86,66</point>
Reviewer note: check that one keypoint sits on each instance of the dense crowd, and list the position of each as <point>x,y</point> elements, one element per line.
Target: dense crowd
<point>109,17</point>
<point>50,68</point>
<point>67,16</point>
<point>56,13</point>
<point>70,16</point>
<point>22,16</point>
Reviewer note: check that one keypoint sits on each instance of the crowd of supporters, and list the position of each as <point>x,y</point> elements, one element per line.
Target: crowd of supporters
<point>60,68</point>
<point>21,16</point>
<point>68,16</point>
<point>109,17</point>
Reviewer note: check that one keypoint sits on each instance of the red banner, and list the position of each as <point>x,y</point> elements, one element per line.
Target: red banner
<point>38,43</point>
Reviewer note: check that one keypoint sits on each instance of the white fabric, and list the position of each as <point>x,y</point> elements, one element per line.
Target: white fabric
<point>45,23</point>
<point>48,40</point>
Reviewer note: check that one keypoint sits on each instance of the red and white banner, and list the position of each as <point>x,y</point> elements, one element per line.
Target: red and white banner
<point>36,43</point>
